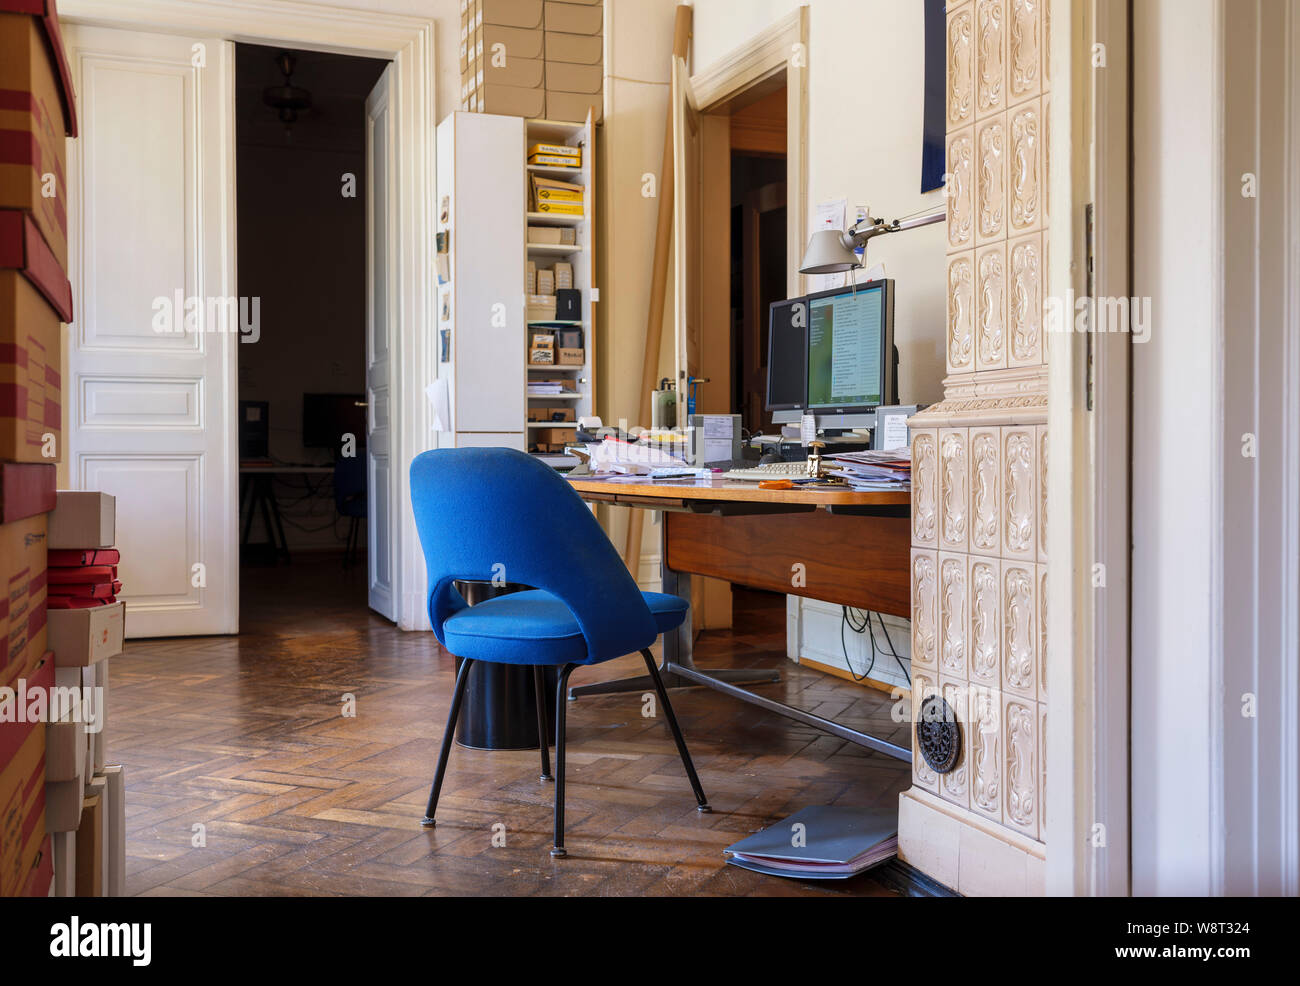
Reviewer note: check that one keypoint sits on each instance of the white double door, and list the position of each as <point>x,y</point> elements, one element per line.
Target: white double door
<point>152,353</point>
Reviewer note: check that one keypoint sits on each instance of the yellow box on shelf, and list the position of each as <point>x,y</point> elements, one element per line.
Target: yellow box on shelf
<point>558,150</point>
<point>560,208</point>
<point>555,161</point>
<point>558,195</point>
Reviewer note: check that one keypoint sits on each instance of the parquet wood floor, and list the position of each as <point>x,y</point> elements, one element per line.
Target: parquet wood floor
<point>244,778</point>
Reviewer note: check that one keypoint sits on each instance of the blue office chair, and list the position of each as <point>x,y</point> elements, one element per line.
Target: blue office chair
<point>496,514</point>
<point>350,500</point>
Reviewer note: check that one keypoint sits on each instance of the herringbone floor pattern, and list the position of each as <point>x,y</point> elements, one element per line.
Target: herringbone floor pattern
<point>244,778</point>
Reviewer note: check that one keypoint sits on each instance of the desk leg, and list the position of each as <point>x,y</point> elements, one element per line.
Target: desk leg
<point>678,647</point>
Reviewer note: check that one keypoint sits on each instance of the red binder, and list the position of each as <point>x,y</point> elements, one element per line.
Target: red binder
<point>83,575</point>
<point>73,558</point>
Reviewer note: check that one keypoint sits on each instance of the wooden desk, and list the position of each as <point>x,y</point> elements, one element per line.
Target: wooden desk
<point>836,545</point>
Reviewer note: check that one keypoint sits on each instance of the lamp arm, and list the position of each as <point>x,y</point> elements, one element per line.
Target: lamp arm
<point>856,237</point>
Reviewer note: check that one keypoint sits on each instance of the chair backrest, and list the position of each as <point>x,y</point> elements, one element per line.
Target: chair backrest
<point>350,485</point>
<point>497,513</point>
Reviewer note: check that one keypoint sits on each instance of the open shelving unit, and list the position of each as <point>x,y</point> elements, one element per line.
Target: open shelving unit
<point>485,206</point>
<point>581,256</point>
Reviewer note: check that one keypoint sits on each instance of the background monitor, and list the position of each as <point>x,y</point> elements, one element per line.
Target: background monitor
<point>326,418</point>
<point>787,354</point>
<point>850,351</point>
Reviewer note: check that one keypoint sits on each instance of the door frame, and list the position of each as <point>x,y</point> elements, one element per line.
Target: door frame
<point>408,42</point>
<point>1089,469</point>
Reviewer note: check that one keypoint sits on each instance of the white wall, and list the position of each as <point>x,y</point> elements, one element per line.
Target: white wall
<point>1176,404</point>
<point>865,95</point>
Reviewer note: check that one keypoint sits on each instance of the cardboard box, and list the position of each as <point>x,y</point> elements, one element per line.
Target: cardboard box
<point>23,580</point>
<point>22,784</point>
<point>552,436</point>
<point>26,489</point>
<point>530,277</point>
<point>97,678</point>
<point>63,805</point>
<point>540,308</point>
<point>563,275</point>
<point>556,195</point>
<point>572,107</point>
<point>90,845</point>
<point>571,357</point>
<point>83,519</point>
<point>560,208</point>
<point>511,13</point>
<point>556,161</point>
<point>115,832</point>
<point>546,282</point>
<point>550,413</point>
<point>528,73</point>
<point>37,116</point>
<point>544,235</point>
<point>566,77</point>
<point>65,748</point>
<point>515,42</point>
<point>574,17</point>
<point>511,101</point>
<point>579,49</point>
<point>35,297</point>
<point>64,845</point>
<point>559,150</point>
<point>82,637</point>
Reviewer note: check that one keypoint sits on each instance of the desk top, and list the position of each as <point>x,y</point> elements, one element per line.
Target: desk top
<point>725,490</point>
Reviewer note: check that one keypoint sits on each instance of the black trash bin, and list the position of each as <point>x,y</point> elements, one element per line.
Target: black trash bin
<point>499,711</point>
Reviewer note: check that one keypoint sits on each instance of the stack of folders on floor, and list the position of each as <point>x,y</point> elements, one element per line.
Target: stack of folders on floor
<point>874,469</point>
<point>826,842</point>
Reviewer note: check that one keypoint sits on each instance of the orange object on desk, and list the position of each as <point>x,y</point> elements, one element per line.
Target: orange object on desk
<point>776,484</point>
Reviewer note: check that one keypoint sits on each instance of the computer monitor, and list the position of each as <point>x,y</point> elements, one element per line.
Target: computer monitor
<point>850,350</point>
<point>326,418</point>
<point>787,355</point>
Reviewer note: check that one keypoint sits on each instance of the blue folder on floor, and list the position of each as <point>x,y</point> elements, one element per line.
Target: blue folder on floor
<point>824,842</point>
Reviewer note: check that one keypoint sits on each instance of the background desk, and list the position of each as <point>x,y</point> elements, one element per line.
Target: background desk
<point>257,491</point>
<point>837,545</point>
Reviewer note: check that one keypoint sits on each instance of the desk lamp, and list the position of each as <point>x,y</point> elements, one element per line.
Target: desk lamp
<point>831,251</point>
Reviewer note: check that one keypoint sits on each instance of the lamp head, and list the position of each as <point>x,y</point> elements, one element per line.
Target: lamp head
<point>830,251</point>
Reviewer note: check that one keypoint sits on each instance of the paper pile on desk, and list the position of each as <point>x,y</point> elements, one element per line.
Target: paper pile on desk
<point>629,458</point>
<point>874,469</point>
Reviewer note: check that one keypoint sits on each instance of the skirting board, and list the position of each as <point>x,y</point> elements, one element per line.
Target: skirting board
<point>959,850</point>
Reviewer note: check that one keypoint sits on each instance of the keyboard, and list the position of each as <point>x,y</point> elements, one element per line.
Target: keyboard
<point>771,470</point>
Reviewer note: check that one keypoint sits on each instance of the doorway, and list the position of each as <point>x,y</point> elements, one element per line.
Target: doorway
<point>758,247</point>
<point>153,415</point>
<point>302,175</point>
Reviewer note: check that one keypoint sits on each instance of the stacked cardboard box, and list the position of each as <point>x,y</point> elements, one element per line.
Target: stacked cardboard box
<point>502,70</point>
<point>85,806</point>
<point>36,118</point>
<point>532,58</point>
<point>574,55</point>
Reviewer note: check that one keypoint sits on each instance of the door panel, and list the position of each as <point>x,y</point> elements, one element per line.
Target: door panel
<point>151,396</point>
<point>381,288</point>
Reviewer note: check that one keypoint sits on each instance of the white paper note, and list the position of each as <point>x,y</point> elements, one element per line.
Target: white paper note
<point>440,404</point>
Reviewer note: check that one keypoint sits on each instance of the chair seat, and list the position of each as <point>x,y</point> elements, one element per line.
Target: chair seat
<point>535,627</point>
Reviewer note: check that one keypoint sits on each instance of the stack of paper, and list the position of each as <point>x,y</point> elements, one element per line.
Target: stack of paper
<point>822,843</point>
<point>874,469</point>
<point>544,388</point>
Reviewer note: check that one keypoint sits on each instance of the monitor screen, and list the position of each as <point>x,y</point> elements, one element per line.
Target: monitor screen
<point>326,418</point>
<point>850,339</point>
<point>787,350</point>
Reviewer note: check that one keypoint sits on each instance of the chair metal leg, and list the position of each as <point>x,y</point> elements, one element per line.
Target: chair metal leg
<point>539,686</point>
<point>461,678</point>
<point>703,803</point>
<point>560,704</point>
